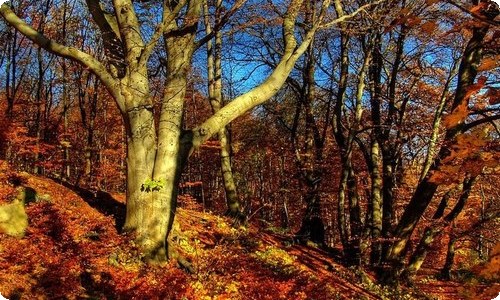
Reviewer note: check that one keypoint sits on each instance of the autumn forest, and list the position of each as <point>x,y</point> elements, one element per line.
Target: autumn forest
<point>243,149</point>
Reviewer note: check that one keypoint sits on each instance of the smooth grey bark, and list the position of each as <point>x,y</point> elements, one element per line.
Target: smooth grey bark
<point>214,69</point>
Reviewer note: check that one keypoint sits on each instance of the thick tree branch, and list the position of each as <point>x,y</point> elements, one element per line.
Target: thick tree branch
<point>110,34</point>
<point>270,86</point>
<point>475,123</point>
<point>130,31</point>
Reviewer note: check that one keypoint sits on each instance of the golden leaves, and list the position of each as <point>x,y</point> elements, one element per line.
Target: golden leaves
<point>489,64</point>
<point>457,116</point>
<point>461,111</point>
<point>477,9</point>
<point>491,269</point>
<point>470,154</point>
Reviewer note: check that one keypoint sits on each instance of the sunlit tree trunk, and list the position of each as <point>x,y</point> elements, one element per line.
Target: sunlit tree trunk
<point>214,68</point>
<point>376,203</point>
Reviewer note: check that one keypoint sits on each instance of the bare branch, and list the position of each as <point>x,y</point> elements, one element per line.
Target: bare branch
<point>271,85</point>
<point>72,53</point>
<point>167,17</point>
<point>223,21</point>
<point>343,17</point>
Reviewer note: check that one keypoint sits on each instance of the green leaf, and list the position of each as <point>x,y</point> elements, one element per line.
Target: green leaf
<point>151,185</point>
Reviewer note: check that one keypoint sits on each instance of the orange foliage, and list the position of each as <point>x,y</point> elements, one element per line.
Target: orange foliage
<point>72,250</point>
<point>491,270</point>
<point>66,254</point>
<point>493,95</point>
<point>429,27</point>
<point>461,111</point>
<point>489,64</point>
<point>471,153</point>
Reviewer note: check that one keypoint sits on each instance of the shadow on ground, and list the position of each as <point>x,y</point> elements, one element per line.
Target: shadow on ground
<point>102,202</point>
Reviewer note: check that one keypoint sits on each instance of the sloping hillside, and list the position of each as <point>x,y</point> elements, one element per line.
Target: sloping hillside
<point>72,250</point>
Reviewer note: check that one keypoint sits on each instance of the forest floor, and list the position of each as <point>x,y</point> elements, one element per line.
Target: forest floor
<point>73,250</point>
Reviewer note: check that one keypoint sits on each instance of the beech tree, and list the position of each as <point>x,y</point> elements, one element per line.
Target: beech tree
<point>158,149</point>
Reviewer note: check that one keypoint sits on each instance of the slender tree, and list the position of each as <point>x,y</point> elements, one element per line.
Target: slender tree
<point>214,69</point>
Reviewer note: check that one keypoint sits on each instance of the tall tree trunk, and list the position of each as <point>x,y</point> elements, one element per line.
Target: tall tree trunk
<point>350,233</point>
<point>309,160</point>
<point>171,154</point>
<point>141,143</point>
<point>340,136</point>
<point>214,68</point>
<point>37,169</point>
<point>376,200</point>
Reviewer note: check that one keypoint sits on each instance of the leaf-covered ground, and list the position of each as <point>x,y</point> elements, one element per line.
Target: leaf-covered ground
<point>72,250</point>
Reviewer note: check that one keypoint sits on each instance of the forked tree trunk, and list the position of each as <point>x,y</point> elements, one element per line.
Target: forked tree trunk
<point>420,253</point>
<point>154,165</point>
<point>427,187</point>
<point>418,257</point>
